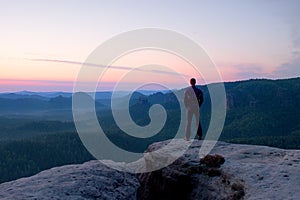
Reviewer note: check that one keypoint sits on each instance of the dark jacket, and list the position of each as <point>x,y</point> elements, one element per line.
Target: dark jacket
<point>193,97</point>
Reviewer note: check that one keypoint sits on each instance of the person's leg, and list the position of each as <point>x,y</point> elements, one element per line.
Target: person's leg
<point>198,125</point>
<point>199,131</point>
<point>189,115</point>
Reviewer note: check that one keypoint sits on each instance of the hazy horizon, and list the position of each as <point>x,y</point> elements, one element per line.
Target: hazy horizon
<point>146,89</point>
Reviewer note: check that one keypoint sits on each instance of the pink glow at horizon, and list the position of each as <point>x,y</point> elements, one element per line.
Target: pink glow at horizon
<point>16,85</point>
<point>64,80</point>
<point>62,73</point>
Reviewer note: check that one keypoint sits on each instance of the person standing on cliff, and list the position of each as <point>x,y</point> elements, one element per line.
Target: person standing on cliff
<point>193,99</point>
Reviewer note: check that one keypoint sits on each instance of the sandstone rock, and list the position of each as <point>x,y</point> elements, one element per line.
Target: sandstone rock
<point>91,180</point>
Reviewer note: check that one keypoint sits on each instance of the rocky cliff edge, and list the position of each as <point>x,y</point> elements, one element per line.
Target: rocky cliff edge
<point>249,172</point>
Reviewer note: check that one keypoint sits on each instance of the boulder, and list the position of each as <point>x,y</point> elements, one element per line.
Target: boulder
<point>250,172</point>
<point>91,180</point>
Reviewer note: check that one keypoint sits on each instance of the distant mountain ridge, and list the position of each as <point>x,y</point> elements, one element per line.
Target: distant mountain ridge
<point>259,111</point>
<point>47,95</point>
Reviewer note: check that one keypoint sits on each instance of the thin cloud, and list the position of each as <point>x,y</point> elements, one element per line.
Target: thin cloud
<point>288,70</point>
<point>111,67</point>
<point>242,71</point>
<point>249,71</point>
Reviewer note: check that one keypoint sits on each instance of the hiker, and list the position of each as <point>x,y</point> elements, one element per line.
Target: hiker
<point>193,99</point>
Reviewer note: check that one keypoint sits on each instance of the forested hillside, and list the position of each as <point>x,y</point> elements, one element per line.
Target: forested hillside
<point>264,112</point>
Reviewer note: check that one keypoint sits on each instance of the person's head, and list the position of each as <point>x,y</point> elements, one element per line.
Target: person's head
<point>193,82</point>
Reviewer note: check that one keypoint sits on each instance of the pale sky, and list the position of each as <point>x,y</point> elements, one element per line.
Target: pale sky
<point>43,42</point>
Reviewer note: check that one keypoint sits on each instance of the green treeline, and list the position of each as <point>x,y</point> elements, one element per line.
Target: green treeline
<point>26,157</point>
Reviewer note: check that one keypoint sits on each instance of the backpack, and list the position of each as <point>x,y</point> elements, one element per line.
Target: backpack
<point>199,95</point>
